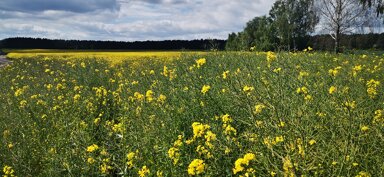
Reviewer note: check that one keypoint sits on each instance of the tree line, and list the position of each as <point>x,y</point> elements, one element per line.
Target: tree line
<point>296,24</point>
<point>40,43</point>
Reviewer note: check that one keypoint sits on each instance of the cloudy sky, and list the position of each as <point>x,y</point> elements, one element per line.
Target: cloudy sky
<point>127,20</point>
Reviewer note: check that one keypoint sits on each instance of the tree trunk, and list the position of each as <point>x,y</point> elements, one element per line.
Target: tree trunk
<point>337,40</point>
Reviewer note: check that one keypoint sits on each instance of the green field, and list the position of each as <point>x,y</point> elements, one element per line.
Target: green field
<point>202,114</point>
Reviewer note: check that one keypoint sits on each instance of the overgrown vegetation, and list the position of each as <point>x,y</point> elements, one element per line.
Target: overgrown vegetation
<point>227,114</point>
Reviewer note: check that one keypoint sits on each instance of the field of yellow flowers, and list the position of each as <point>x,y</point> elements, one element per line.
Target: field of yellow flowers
<point>218,114</point>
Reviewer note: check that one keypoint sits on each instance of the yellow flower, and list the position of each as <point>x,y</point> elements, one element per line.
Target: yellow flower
<point>334,72</point>
<point>229,130</point>
<point>159,173</point>
<point>308,98</point>
<point>97,121</point>
<point>90,160</point>
<point>363,174</point>
<point>209,136</point>
<point>332,89</point>
<point>201,62</point>
<point>92,148</point>
<point>76,97</point>
<point>248,89</point>
<point>279,139</point>
<point>372,88</point>
<point>161,98</point>
<point>249,156</point>
<point>312,142</point>
<point>271,56</point>
<point>277,70</point>
<point>225,74</point>
<point>143,171</point>
<point>173,153</point>
<point>199,129</point>
<point>196,167</point>
<point>19,92</point>
<point>303,90</point>
<point>227,150</point>
<point>259,108</point>
<point>104,168</point>
<point>364,128</point>
<point>243,162</point>
<point>205,89</point>
<point>356,69</point>
<point>8,171</point>
<point>350,104</point>
<point>149,95</point>
<point>287,167</point>
<point>226,118</point>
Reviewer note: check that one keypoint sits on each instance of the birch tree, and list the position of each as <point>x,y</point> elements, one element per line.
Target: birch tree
<point>339,17</point>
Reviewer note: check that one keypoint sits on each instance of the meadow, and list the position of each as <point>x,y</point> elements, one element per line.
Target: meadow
<point>197,114</point>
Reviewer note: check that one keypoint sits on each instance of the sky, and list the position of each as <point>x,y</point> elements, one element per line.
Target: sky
<point>127,20</point>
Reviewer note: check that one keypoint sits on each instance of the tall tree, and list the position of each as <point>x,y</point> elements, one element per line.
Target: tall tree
<point>294,20</point>
<point>339,17</point>
<point>261,33</point>
<point>379,4</point>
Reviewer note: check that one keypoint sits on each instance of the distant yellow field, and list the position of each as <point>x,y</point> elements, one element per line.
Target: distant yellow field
<point>112,56</point>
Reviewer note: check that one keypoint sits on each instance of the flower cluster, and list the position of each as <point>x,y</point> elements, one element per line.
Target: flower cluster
<point>196,167</point>
<point>372,88</point>
<point>242,163</point>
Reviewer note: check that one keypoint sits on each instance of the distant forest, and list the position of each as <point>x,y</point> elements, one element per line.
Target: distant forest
<point>39,43</point>
<point>318,42</point>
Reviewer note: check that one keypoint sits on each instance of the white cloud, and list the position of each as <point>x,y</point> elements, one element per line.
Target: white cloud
<point>137,20</point>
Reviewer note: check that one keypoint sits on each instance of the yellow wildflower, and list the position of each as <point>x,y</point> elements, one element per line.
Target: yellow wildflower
<point>161,98</point>
<point>138,96</point>
<point>356,69</point>
<point>8,171</point>
<point>210,136</point>
<point>104,168</point>
<point>144,171</point>
<point>312,142</point>
<point>196,167</point>
<point>271,56</point>
<point>92,148</point>
<point>259,108</point>
<point>201,62</point>
<point>76,97</point>
<point>241,163</point>
<point>225,74</point>
<point>149,95</point>
<point>350,104</point>
<point>288,167</point>
<point>308,98</point>
<point>363,174</point>
<point>364,128</point>
<point>248,89</point>
<point>205,89</point>
<point>303,90</point>
<point>332,89</point>
<point>90,160</point>
<point>199,129</point>
<point>372,88</point>
<point>173,153</point>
